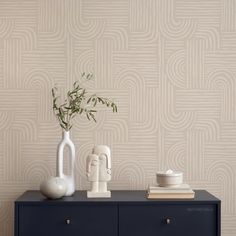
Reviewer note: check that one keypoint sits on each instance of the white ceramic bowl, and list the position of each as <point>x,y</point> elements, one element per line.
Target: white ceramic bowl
<point>169,178</point>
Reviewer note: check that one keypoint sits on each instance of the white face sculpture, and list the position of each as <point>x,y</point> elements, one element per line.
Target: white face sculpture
<point>102,149</point>
<point>93,167</point>
<point>99,164</point>
<point>104,171</point>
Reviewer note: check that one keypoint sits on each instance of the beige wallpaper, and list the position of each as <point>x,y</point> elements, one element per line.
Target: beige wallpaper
<point>169,64</point>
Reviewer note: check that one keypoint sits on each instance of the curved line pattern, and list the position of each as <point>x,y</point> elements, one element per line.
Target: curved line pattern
<point>132,172</point>
<point>130,79</point>
<point>27,129</point>
<point>85,62</point>
<point>153,62</point>
<point>90,125</point>
<point>41,77</point>
<point>171,28</point>
<point>224,80</point>
<point>79,28</point>
<point>35,171</point>
<point>178,31</point>
<point>40,80</point>
<point>144,37</point>
<point>175,69</point>
<point>211,129</point>
<point>6,28</point>
<point>176,156</point>
<point>81,156</point>
<point>219,78</point>
<point>120,129</point>
<point>221,172</point>
<point>149,124</point>
<point>211,38</point>
<point>6,119</point>
<point>28,38</point>
<point>119,37</point>
<point>143,21</point>
<point>57,31</point>
<point>52,37</point>
<point>169,118</point>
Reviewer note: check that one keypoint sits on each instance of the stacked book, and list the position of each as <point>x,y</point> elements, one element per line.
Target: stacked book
<point>182,191</point>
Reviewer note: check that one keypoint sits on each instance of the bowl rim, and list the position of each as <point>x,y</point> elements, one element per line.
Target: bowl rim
<point>174,174</point>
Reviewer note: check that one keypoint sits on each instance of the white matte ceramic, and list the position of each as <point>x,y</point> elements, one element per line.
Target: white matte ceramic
<point>99,171</point>
<point>53,188</point>
<point>70,178</point>
<point>169,178</point>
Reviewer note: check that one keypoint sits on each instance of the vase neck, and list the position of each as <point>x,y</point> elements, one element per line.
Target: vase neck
<point>65,134</point>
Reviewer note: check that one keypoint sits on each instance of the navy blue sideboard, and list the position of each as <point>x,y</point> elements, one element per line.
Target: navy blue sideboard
<point>126,213</point>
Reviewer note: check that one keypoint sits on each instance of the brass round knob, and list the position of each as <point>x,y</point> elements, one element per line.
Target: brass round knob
<point>167,221</point>
<point>67,221</point>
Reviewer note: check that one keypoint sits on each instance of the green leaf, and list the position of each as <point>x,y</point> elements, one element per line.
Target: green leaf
<point>93,117</point>
<point>73,105</point>
<point>63,127</point>
<point>89,100</point>
<point>87,116</point>
<point>95,103</point>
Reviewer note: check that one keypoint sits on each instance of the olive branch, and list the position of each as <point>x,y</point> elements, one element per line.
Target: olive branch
<point>78,101</point>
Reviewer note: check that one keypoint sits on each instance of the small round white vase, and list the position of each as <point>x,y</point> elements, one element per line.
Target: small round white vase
<point>53,188</point>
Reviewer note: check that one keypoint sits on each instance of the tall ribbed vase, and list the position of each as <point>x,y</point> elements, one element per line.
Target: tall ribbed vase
<point>70,178</point>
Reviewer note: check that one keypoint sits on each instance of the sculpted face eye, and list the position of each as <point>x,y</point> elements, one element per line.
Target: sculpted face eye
<point>94,163</point>
<point>102,157</point>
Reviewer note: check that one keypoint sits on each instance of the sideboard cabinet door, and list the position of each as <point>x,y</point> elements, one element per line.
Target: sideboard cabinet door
<point>167,220</point>
<point>64,220</point>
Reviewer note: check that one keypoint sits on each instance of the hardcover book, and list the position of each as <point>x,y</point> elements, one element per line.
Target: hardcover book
<point>182,191</point>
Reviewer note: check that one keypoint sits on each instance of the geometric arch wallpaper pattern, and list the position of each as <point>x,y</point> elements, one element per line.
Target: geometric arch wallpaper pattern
<point>170,66</point>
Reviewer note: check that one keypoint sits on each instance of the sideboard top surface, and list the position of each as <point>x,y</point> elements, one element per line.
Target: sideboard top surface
<point>121,196</point>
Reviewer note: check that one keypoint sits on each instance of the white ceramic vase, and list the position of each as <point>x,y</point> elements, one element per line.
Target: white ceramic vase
<point>53,188</point>
<point>70,178</point>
